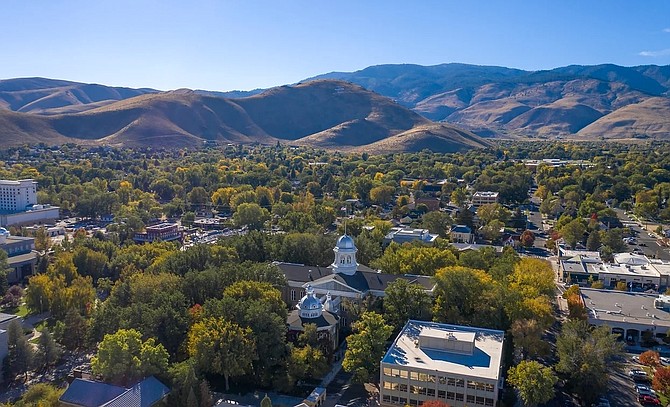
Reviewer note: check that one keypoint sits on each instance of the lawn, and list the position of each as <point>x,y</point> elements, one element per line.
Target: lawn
<point>21,310</point>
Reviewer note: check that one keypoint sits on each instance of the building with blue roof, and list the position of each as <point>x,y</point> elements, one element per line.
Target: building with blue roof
<point>87,393</point>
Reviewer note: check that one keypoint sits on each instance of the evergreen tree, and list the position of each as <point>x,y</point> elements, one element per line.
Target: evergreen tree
<point>48,351</point>
<point>20,352</point>
<point>593,243</point>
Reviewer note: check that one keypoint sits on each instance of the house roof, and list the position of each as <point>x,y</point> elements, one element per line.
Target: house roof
<point>87,393</point>
<point>461,229</point>
<point>305,274</point>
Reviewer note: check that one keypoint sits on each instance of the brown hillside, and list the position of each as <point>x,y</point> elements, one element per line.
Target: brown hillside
<point>327,114</point>
<point>649,118</point>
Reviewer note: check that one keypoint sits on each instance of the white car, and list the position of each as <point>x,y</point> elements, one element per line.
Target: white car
<point>664,360</point>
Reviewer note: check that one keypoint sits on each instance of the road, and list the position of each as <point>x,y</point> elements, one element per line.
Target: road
<point>647,244</point>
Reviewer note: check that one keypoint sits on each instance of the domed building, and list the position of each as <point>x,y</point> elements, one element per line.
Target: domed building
<point>343,280</point>
<point>320,312</point>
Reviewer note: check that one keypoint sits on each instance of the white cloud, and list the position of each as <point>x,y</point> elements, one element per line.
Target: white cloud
<point>655,54</point>
<point>666,30</point>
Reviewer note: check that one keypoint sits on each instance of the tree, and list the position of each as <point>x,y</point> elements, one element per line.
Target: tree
<point>4,270</point>
<point>573,232</point>
<point>493,230</point>
<point>467,296</point>
<point>251,215</point>
<point>437,222</point>
<point>266,402</point>
<point>458,196</point>
<point>307,363</point>
<point>661,381</point>
<point>403,301</point>
<point>41,395</point>
<point>42,240</point>
<point>593,243</point>
<point>123,358</point>
<point>48,351</point>
<point>382,195</point>
<point>413,259</point>
<point>527,334</point>
<point>650,358</point>
<point>74,330</point>
<point>490,212</point>
<point>527,238</point>
<point>585,357</point>
<point>20,351</point>
<point>221,347</point>
<point>534,382</point>
<point>366,346</point>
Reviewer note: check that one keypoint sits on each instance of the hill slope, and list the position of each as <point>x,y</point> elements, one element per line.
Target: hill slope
<point>328,114</point>
<point>557,102</point>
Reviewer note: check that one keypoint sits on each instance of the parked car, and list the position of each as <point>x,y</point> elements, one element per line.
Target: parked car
<point>636,359</point>
<point>649,401</point>
<point>665,361</point>
<point>638,375</point>
<point>643,390</point>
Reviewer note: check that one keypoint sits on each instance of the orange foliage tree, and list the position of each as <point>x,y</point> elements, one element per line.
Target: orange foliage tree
<point>650,358</point>
<point>661,382</point>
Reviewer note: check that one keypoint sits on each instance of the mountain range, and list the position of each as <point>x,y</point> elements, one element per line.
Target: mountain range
<point>321,113</point>
<point>385,108</point>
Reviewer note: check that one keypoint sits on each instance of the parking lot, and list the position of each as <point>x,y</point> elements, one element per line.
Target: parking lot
<point>621,392</point>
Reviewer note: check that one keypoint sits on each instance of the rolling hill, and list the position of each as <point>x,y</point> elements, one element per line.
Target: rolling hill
<point>503,101</point>
<point>322,113</point>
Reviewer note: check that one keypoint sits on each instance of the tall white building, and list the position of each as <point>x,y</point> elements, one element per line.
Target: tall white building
<point>459,365</point>
<point>16,196</point>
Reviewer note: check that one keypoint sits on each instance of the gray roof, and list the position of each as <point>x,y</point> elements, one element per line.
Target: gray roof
<point>305,274</point>
<point>622,306</point>
<point>461,229</point>
<point>6,317</point>
<point>296,322</point>
<point>144,394</point>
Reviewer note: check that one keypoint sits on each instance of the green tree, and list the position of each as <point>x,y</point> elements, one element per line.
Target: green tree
<point>48,351</point>
<point>458,196</point>
<point>527,334</point>
<point>573,232</point>
<point>20,351</point>
<point>41,395</point>
<point>585,357</point>
<point>366,346</point>
<point>593,243</point>
<point>413,259</point>
<point>4,270</point>
<point>266,402</point>
<point>403,301</point>
<point>382,194</point>
<point>221,347</point>
<point>307,363</point>
<point>437,222</point>
<point>534,382</point>
<point>251,215</point>
<point>123,358</point>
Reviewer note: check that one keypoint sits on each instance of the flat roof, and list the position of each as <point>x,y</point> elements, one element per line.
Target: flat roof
<point>623,306</point>
<point>640,271</point>
<point>486,194</point>
<point>484,362</point>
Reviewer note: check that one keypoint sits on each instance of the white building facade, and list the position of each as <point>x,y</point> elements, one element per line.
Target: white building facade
<point>16,196</point>
<point>431,361</point>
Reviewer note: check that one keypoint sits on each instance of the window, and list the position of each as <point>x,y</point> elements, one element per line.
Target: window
<point>430,392</point>
<point>441,394</point>
<point>403,374</point>
<point>414,389</point>
<point>386,398</point>
<point>480,386</point>
<point>488,402</point>
<point>470,398</point>
<point>413,375</point>
<point>479,401</point>
<point>459,396</point>
<point>471,384</point>
<point>488,387</point>
<point>394,399</point>
<point>451,381</point>
<point>413,402</point>
<point>402,387</point>
<point>387,371</point>
<point>460,382</point>
<point>442,380</point>
<point>451,395</point>
<point>387,385</point>
<point>292,295</point>
<point>403,400</point>
<point>423,391</point>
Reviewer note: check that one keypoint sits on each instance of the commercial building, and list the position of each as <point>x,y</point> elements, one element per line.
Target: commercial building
<point>18,204</point>
<point>164,232</point>
<point>21,256</point>
<point>459,365</point>
<point>484,197</point>
<point>406,235</point>
<point>628,314</point>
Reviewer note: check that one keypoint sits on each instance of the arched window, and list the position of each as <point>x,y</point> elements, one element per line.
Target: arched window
<point>342,260</point>
<point>348,259</point>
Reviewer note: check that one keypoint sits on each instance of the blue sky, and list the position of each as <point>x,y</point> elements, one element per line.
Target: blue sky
<point>225,45</point>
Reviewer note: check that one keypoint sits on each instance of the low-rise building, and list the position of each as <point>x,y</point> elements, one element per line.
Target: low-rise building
<point>406,235</point>
<point>461,234</point>
<point>164,232</point>
<point>484,197</point>
<point>86,393</point>
<point>628,314</point>
<point>459,365</point>
<point>21,256</point>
